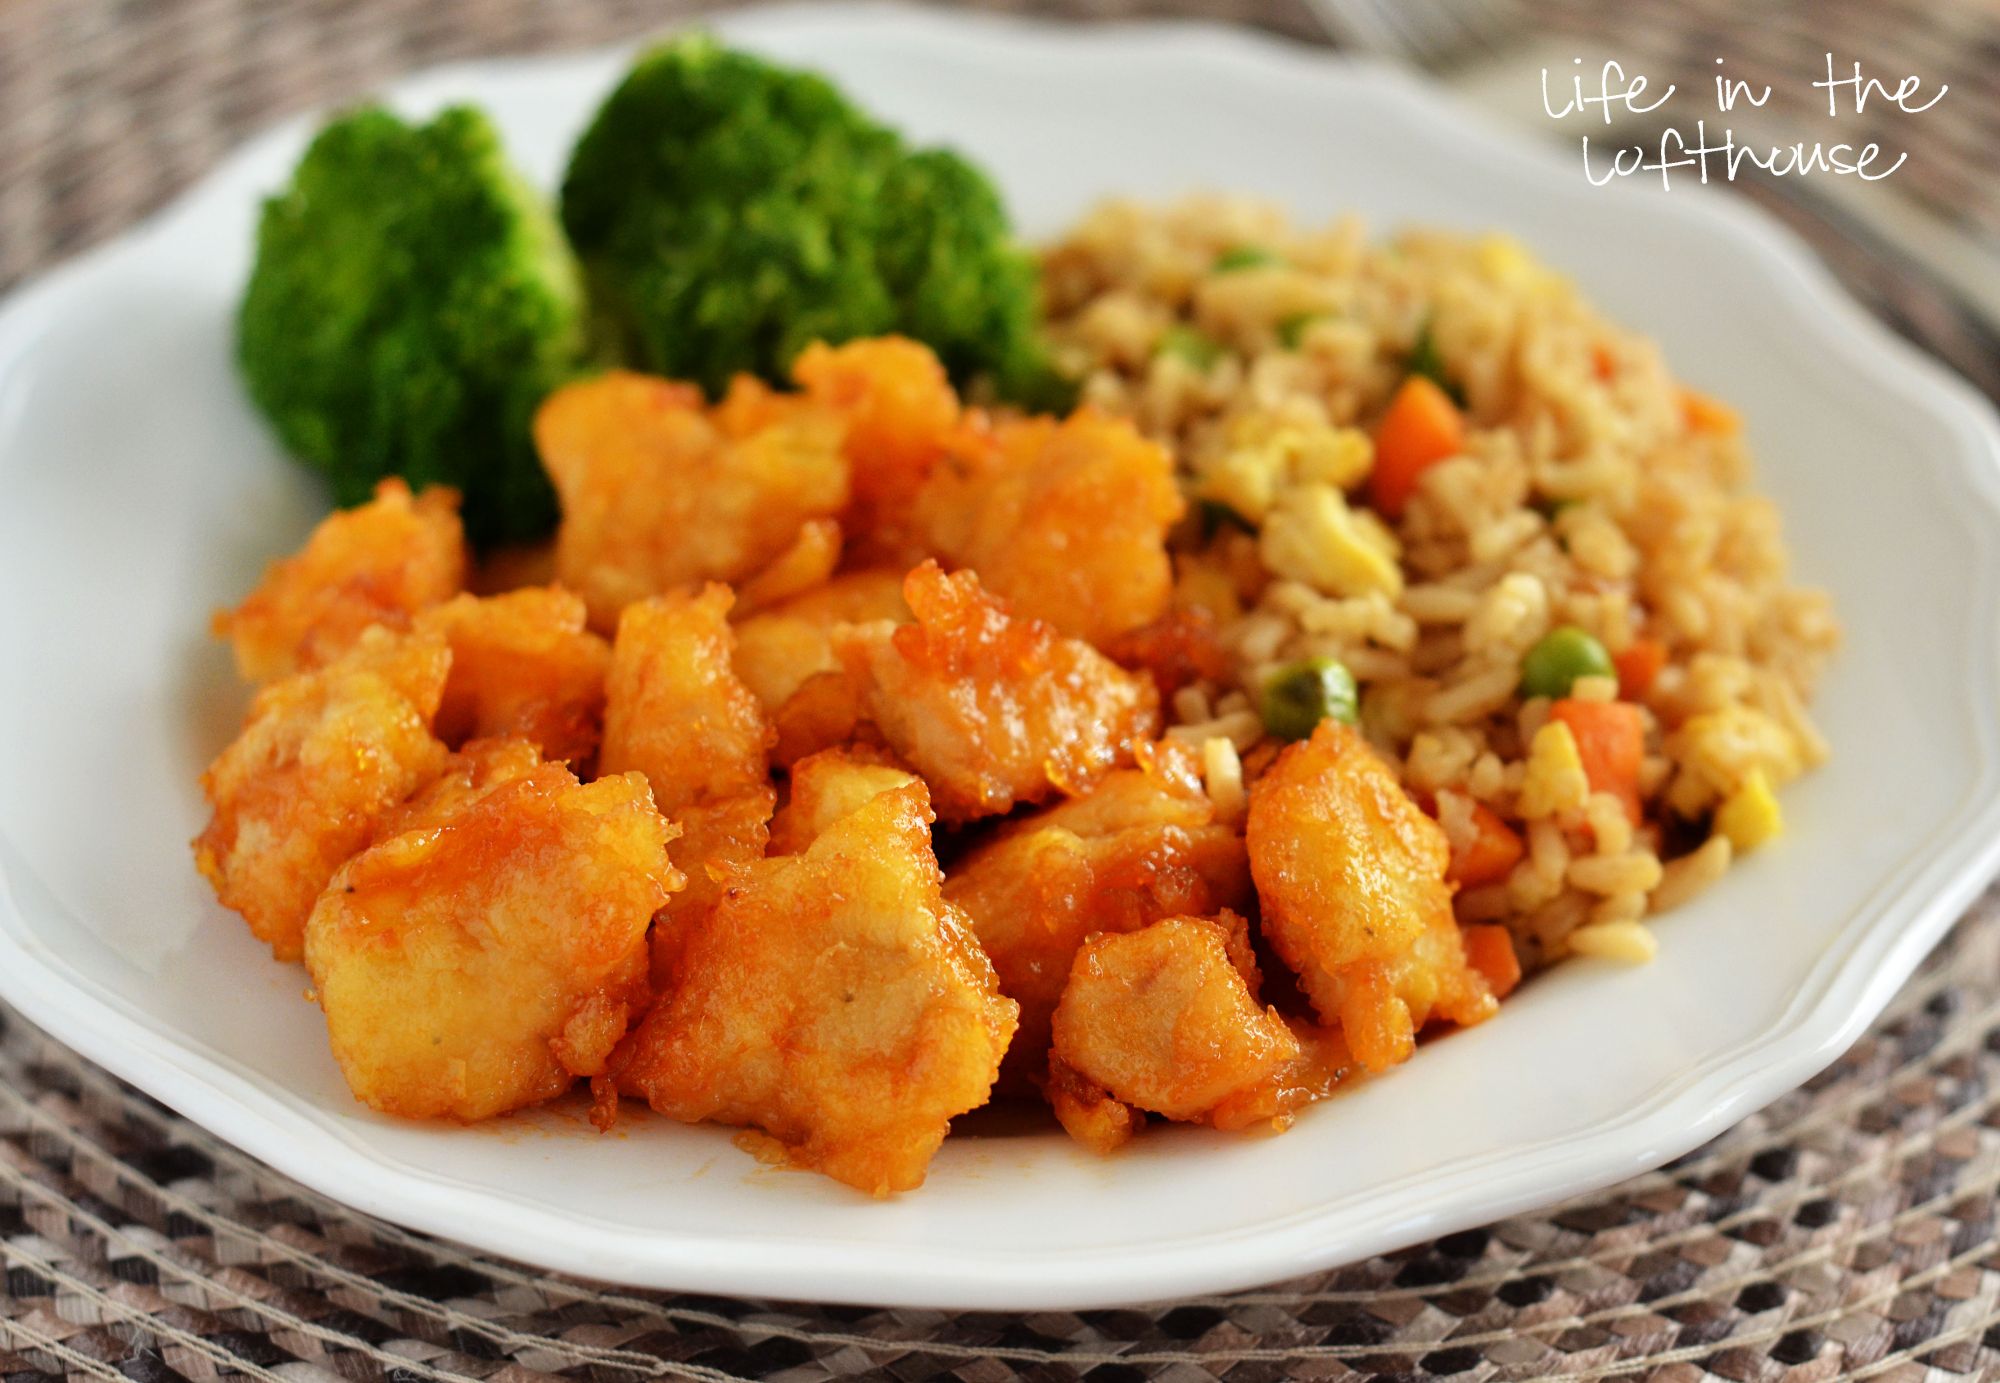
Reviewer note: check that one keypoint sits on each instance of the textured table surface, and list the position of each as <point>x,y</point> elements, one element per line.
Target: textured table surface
<point>1849,1230</point>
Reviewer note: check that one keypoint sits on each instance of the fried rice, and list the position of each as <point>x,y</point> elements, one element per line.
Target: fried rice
<point>1593,490</point>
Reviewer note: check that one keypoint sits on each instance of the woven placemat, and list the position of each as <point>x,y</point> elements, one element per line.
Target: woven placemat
<point>1849,1230</point>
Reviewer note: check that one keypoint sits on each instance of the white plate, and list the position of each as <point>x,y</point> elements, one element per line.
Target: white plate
<point>137,491</point>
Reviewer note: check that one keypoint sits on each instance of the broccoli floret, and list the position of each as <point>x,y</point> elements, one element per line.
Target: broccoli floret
<point>965,289</point>
<point>730,212</point>
<point>412,301</point>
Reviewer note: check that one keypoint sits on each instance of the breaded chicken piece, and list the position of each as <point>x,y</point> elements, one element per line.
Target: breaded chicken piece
<point>833,999</point>
<point>322,757</point>
<point>491,948</point>
<point>378,563</point>
<point>1088,1112</point>
<point>993,711</point>
<point>1179,649</point>
<point>1067,520</point>
<point>778,649</point>
<point>1323,1063</point>
<point>468,774</point>
<point>677,713</point>
<point>523,665</point>
<point>808,564</point>
<point>719,841</point>
<point>1351,875</point>
<point>658,492</point>
<point>675,709</point>
<point>901,413</point>
<point>827,787</point>
<point>1139,846</point>
<point>1165,1019</point>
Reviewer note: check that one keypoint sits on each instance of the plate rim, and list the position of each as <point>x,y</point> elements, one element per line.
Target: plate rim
<point>1889,932</point>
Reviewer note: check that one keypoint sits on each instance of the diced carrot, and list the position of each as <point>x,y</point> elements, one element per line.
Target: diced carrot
<point>1421,428</point>
<point>1708,415</point>
<point>1611,740</point>
<point>1637,666</point>
<point>1493,851</point>
<point>1603,363</point>
<point>1489,949</point>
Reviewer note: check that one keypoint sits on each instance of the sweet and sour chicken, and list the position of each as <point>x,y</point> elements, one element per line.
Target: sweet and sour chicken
<point>992,709</point>
<point>322,758</point>
<point>377,563</point>
<point>1164,1020</point>
<point>654,809</point>
<point>678,714</point>
<point>1141,845</point>
<point>832,999</point>
<point>490,947</point>
<point>524,665</point>
<point>1351,876</point>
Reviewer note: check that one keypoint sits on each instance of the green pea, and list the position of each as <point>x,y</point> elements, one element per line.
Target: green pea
<point>1190,345</point>
<point>1245,257</point>
<point>1425,359</point>
<point>1563,655</point>
<point>1292,329</point>
<point>1298,696</point>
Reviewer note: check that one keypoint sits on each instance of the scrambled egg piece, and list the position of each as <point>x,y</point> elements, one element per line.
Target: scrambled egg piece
<point>677,713</point>
<point>780,648</point>
<point>1719,750</point>
<point>658,492</point>
<point>321,758</point>
<point>1138,847</point>
<point>1267,454</point>
<point>992,710</point>
<point>1311,535</point>
<point>490,947</point>
<point>378,563</point>
<point>522,664</point>
<point>1165,1019</point>
<point>832,999</point>
<point>1554,779</point>
<point>1351,875</point>
<point>1066,520</point>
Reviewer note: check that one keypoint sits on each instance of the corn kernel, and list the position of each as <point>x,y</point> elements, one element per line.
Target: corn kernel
<point>1749,816</point>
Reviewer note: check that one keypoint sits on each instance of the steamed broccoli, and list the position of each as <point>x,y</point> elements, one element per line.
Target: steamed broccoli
<point>964,288</point>
<point>412,301</point>
<point>730,212</point>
